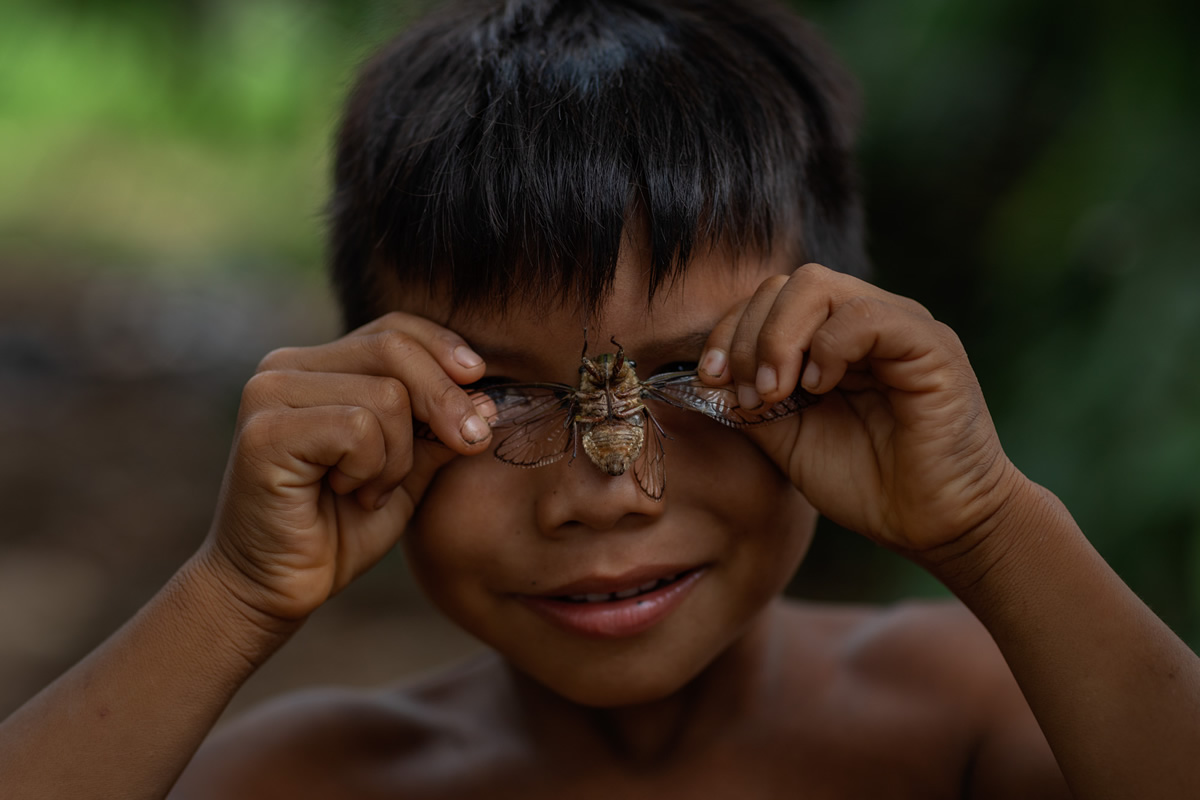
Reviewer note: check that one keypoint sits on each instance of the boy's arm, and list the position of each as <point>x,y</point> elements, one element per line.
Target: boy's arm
<point>124,722</point>
<point>1116,693</point>
<point>902,449</point>
<point>324,475</point>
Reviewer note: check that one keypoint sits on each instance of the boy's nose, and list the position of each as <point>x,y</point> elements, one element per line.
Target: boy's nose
<point>578,496</point>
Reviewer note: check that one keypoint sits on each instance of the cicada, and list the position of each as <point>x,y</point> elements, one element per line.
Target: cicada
<point>609,413</point>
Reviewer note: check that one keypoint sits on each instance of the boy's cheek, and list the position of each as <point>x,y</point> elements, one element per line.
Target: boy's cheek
<point>701,451</point>
<point>459,517</point>
<point>472,480</point>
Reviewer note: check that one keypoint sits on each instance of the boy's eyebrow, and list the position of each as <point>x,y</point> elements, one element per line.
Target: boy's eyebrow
<point>508,355</point>
<point>665,349</point>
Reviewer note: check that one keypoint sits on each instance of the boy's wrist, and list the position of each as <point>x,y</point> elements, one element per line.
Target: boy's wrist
<point>254,634</point>
<point>988,558</point>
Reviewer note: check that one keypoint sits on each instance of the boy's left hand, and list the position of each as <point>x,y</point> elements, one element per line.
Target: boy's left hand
<point>901,447</point>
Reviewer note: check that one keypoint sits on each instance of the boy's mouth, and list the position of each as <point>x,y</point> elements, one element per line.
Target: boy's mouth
<point>610,588</point>
<point>608,597</point>
<point>616,608</point>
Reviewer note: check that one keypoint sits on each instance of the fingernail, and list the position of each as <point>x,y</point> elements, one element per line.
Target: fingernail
<point>474,429</point>
<point>766,381</point>
<point>812,375</point>
<point>748,398</point>
<point>383,499</point>
<point>713,363</point>
<point>466,356</point>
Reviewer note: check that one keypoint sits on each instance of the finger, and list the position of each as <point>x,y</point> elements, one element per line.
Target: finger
<point>907,351</point>
<point>811,284</point>
<point>714,362</point>
<point>783,330</point>
<point>776,328</point>
<point>450,350</point>
<point>801,306</point>
<point>387,398</point>
<point>743,352</point>
<point>839,286</point>
<point>428,458</point>
<point>427,367</point>
<point>293,449</point>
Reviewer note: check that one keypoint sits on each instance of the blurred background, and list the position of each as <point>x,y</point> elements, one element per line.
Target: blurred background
<point>1030,174</point>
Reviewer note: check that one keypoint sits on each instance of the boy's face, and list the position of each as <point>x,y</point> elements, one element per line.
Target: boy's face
<point>493,544</point>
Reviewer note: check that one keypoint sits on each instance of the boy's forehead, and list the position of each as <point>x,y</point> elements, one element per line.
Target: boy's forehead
<point>675,323</point>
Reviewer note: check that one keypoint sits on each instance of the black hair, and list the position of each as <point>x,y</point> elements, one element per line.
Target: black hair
<point>498,148</point>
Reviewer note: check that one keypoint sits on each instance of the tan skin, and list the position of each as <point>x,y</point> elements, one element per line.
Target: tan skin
<point>735,693</point>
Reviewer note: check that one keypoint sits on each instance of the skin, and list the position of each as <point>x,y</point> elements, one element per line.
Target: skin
<point>735,693</point>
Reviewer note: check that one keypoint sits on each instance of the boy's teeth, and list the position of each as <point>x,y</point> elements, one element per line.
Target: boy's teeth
<point>609,597</point>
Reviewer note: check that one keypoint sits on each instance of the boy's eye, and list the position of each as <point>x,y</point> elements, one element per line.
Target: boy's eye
<point>677,366</point>
<point>500,392</point>
<point>485,383</point>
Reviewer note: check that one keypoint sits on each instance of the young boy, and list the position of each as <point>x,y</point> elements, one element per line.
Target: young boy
<point>661,174</point>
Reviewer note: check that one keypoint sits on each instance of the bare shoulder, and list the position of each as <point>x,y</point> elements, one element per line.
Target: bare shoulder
<point>932,653</point>
<point>344,742</point>
<point>933,646</point>
<point>929,654</point>
<point>929,674</point>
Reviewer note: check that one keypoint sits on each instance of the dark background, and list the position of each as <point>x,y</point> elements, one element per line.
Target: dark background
<point>1030,174</point>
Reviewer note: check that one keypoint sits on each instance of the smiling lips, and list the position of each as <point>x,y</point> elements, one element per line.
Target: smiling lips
<point>615,609</point>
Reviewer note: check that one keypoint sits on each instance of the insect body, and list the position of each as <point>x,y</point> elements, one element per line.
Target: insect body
<point>608,414</point>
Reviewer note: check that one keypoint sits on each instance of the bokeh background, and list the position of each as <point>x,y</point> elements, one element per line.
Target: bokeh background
<point>1031,177</point>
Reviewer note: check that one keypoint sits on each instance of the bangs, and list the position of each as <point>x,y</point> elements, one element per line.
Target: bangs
<point>507,159</point>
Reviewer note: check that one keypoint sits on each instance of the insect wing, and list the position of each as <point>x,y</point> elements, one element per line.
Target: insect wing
<point>685,390</point>
<point>651,469</point>
<point>540,417</point>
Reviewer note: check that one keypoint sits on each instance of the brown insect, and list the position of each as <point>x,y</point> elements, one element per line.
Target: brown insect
<point>608,414</point>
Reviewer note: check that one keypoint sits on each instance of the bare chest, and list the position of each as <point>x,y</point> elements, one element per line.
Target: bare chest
<point>872,764</point>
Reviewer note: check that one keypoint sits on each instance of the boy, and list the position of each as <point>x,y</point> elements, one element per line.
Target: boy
<point>509,174</point>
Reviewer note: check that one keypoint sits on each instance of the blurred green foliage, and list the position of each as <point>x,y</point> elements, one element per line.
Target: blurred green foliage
<point>1032,177</point>
<point>191,134</point>
<point>1029,166</point>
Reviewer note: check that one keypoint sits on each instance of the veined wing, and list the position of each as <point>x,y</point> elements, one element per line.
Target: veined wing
<point>540,416</point>
<point>508,405</point>
<point>685,390</point>
<point>650,469</point>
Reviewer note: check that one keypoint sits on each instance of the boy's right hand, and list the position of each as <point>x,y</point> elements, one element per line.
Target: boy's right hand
<point>325,472</point>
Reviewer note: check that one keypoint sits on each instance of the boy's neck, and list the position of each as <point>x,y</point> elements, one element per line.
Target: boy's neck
<point>735,686</point>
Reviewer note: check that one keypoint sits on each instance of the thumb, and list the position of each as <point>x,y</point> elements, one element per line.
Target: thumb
<point>776,439</point>
<point>428,458</point>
